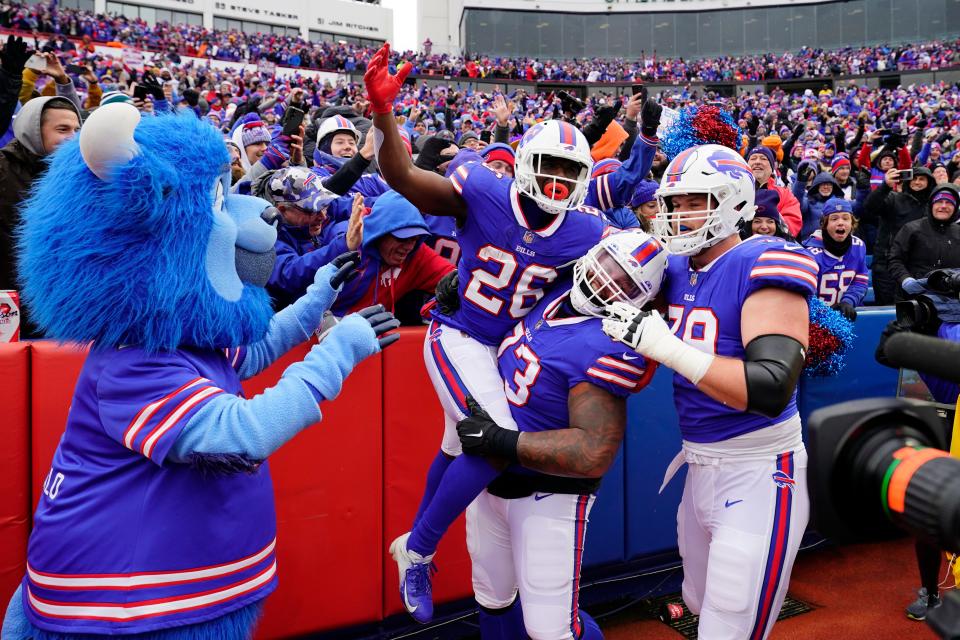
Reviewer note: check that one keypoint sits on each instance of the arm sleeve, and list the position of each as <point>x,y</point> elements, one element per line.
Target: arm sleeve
<point>924,153</point>
<point>790,212</point>
<point>347,175</point>
<point>501,134</point>
<point>899,255</point>
<point>9,95</point>
<point>293,273</point>
<point>858,288</point>
<point>614,375</point>
<point>630,126</point>
<point>27,85</point>
<point>429,267</point>
<point>68,91</point>
<point>876,203</point>
<point>863,158</point>
<point>793,270</point>
<point>258,426</point>
<point>145,404</point>
<point>903,158</point>
<point>615,189</point>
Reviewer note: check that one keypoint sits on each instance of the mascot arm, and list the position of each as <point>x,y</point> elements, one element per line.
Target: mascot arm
<point>256,427</point>
<point>293,325</point>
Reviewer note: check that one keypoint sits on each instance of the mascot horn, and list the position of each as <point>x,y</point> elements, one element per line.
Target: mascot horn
<point>161,524</point>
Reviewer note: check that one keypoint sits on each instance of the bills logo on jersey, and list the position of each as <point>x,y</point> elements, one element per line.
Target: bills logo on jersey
<point>435,334</point>
<point>729,164</point>
<point>782,480</point>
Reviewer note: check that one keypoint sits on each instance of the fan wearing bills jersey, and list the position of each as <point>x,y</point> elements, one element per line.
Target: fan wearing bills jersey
<point>736,340</point>
<point>567,384</point>
<point>842,258</point>
<point>157,518</point>
<point>517,238</point>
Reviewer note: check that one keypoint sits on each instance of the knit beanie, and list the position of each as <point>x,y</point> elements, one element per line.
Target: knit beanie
<point>839,160</point>
<point>498,151</point>
<point>767,201</point>
<point>767,153</point>
<point>254,132</point>
<point>644,192</point>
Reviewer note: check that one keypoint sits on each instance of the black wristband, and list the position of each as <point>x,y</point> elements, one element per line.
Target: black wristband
<point>504,443</point>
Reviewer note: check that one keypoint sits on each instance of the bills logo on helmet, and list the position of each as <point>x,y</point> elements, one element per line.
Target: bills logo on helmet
<point>782,480</point>
<point>537,128</point>
<point>730,164</point>
<point>679,164</point>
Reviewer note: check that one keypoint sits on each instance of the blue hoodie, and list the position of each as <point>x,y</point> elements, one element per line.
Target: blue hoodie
<point>811,202</point>
<point>299,258</point>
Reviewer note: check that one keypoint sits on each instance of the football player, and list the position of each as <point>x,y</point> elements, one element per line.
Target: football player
<point>517,237</point>
<point>738,333</point>
<point>567,384</point>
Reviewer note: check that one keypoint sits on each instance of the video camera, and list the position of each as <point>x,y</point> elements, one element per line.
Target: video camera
<point>922,312</point>
<point>879,466</point>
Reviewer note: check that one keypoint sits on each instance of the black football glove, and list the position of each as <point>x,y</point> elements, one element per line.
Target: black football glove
<point>153,86</point>
<point>596,127</point>
<point>650,118</point>
<point>480,435</point>
<point>753,125</point>
<point>382,321</point>
<point>448,299</point>
<point>848,310</point>
<point>14,56</point>
<point>346,264</point>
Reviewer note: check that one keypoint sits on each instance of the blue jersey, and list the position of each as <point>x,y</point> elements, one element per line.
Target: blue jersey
<point>547,354</point>
<point>124,542</point>
<point>613,190</point>
<point>704,311</point>
<point>842,278</point>
<point>443,236</point>
<point>505,266</point>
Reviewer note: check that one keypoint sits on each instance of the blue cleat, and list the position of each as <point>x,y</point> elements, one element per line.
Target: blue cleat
<point>415,570</point>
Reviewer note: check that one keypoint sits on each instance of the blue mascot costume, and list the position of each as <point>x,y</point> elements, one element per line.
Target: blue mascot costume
<point>158,522</point>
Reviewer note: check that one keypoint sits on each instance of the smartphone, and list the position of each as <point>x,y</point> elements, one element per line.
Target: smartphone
<point>485,136</point>
<point>76,69</point>
<point>292,120</point>
<point>36,62</point>
<point>905,175</point>
<point>140,92</point>
<point>638,88</point>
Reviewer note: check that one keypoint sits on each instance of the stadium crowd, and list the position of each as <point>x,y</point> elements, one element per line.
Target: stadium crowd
<point>196,40</point>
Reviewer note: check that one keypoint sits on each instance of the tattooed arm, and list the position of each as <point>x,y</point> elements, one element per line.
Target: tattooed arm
<point>585,449</point>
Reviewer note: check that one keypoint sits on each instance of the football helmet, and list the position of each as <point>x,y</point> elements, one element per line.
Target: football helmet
<point>723,176</point>
<point>553,138</point>
<point>628,266</point>
<point>335,124</point>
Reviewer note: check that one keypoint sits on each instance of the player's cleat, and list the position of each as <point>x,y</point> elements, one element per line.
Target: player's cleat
<point>918,608</point>
<point>415,589</point>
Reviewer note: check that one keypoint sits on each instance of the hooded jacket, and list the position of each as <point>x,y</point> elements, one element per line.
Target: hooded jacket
<point>789,206</point>
<point>379,283</point>
<point>890,210</point>
<point>21,161</point>
<point>811,202</point>
<point>926,244</point>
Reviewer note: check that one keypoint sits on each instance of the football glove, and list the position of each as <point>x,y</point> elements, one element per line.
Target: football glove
<point>448,298</point>
<point>382,87</point>
<point>480,435</point>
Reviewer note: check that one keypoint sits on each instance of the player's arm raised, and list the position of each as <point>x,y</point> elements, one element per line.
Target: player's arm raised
<point>774,325</point>
<point>584,450</point>
<point>426,190</point>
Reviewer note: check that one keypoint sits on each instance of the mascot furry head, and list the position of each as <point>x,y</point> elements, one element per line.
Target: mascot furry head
<point>132,230</point>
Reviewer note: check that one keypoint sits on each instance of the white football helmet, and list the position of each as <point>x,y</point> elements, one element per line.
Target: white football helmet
<point>628,266</point>
<point>333,124</point>
<point>556,139</point>
<point>724,177</point>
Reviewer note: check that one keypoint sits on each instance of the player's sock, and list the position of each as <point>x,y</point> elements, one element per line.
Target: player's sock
<point>437,468</point>
<point>503,624</point>
<point>463,481</point>
<point>589,626</point>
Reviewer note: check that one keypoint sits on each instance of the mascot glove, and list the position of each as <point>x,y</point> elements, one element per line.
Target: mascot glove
<point>328,363</point>
<point>382,87</point>
<point>646,333</point>
<point>481,436</point>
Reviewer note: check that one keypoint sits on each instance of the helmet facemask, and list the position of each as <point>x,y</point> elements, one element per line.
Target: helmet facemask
<point>607,274</point>
<point>668,225</point>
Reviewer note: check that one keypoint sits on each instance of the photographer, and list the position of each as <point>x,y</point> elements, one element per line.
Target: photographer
<point>933,242</point>
<point>891,210</point>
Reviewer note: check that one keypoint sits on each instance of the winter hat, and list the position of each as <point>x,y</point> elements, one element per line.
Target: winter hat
<point>644,192</point>
<point>469,135</point>
<point>254,132</point>
<point>775,144</point>
<point>605,166</point>
<point>767,153</point>
<point>837,205</point>
<point>300,187</point>
<point>839,160</point>
<point>768,201</point>
<point>945,194</point>
<point>498,151</point>
<point>114,96</point>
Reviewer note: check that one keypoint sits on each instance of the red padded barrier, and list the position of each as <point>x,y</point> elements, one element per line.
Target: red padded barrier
<point>54,370</point>
<point>412,430</point>
<point>14,466</point>
<point>328,484</point>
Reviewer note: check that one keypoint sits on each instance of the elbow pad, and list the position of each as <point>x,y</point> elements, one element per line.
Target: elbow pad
<point>772,365</point>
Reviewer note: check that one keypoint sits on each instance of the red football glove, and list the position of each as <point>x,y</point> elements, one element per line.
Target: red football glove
<point>382,88</point>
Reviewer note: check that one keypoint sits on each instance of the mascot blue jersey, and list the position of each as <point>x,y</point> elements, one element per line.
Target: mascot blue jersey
<point>704,311</point>
<point>140,552</point>
<point>505,265</point>
<point>552,350</point>
<point>844,278</point>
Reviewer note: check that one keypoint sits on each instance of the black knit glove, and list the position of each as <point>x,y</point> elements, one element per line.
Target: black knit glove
<point>480,435</point>
<point>650,118</point>
<point>14,56</point>
<point>595,129</point>
<point>848,310</point>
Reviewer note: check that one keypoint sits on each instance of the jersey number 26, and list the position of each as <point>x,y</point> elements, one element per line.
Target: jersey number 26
<point>528,287</point>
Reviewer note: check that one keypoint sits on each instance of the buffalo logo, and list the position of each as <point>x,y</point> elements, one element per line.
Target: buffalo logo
<point>730,164</point>
<point>783,481</point>
<point>435,335</point>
